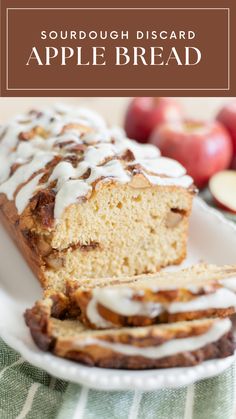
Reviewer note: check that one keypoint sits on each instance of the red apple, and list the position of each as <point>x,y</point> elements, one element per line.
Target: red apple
<point>223,189</point>
<point>227,116</point>
<point>233,165</point>
<point>203,148</point>
<point>146,113</point>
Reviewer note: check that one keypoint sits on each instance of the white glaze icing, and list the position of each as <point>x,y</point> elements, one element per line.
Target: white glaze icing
<point>229,283</point>
<point>119,300</point>
<point>111,170</point>
<point>23,173</point>
<point>65,171</point>
<point>140,151</point>
<point>93,313</point>
<point>184,181</point>
<point>81,115</point>
<point>221,298</point>
<point>71,137</point>
<point>102,135</point>
<point>5,165</point>
<point>26,193</point>
<point>162,166</point>
<point>194,288</point>
<point>120,303</point>
<point>68,194</point>
<point>172,347</point>
<point>63,127</point>
<point>97,154</point>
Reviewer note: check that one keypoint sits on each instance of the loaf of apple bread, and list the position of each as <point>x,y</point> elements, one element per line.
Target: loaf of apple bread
<point>158,346</point>
<point>200,291</point>
<point>81,200</point>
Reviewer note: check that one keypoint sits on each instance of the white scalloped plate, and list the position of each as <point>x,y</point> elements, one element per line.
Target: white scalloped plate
<point>212,239</point>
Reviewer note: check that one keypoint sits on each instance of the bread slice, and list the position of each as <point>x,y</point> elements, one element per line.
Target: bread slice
<point>196,292</point>
<point>82,200</point>
<point>159,346</point>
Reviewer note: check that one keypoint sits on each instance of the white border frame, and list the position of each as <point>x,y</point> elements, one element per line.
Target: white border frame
<point>119,89</point>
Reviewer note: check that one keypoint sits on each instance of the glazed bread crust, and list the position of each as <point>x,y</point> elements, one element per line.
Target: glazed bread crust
<point>70,339</point>
<point>200,291</point>
<point>81,200</point>
<point>95,357</point>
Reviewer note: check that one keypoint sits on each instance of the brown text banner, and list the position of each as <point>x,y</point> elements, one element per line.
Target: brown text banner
<point>117,50</point>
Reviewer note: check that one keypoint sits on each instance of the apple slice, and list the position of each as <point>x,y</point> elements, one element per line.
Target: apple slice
<point>223,189</point>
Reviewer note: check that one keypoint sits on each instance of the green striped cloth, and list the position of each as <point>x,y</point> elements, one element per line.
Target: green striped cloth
<point>28,392</point>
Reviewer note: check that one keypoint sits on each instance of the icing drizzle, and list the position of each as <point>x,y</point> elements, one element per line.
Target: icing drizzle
<point>169,348</point>
<point>88,152</point>
<point>120,300</point>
